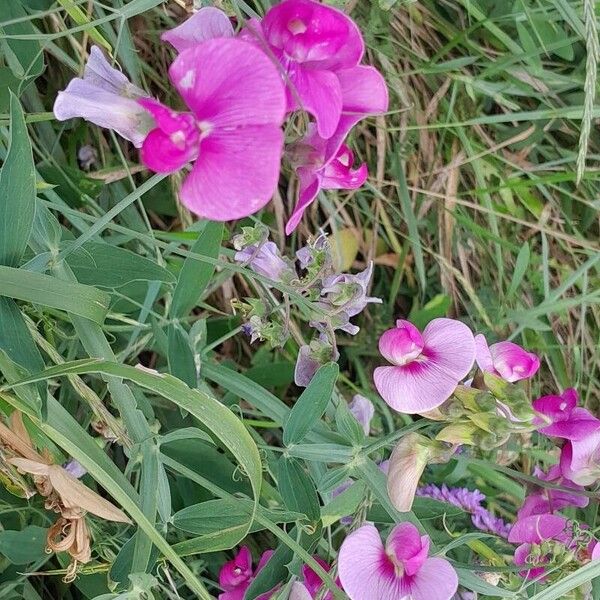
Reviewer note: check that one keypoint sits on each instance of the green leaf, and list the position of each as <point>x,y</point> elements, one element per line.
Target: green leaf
<point>37,288</point>
<point>106,266</point>
<point>311,405</point>
<point>180,356</point>
<point>196,274</point>
<point>298,489</point>
<point>520,269</point>
<point>25,546</point>
<point>17,190</point>
<point>348,425</point>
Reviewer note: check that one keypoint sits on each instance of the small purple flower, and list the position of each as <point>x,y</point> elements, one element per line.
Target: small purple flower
<point>206,24</point>
<point>265,260</point>
<point>74,468</point>
<point>470,501</point>
<point>311,357</point>
<point>105,97</point>
<point>363,410</point>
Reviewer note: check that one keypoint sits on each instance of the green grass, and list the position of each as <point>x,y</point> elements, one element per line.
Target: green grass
<point>482,203</point>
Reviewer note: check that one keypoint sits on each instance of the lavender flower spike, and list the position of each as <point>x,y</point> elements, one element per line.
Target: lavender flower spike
<point>106,98</point>
<point>469,501</point>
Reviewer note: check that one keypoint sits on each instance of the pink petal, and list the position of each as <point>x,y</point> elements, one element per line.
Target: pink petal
<point>264,559</point>
<point>311,580</point>
<point>299,592</point>
<point>436,580</point>
<point>537,528</point>
<point>236,571</point>
<point>206,24</point>
<point>99,72</point>
<point>229,83</point>
<point>402,344</point>
<point>520,558</point>
<point>579,424</point>
<point>580,459</point>
<point>307,31</point>
<point>408,546</point>
<point>364,93</point>
<point>366,573</point>
<point>339,174</point>
<point>173,143</point>
<point>512,362</point>
<point>483,356</point>
<point>309,187</point>
<point>363,410</point>
<point>318,93</point>
<point>236,173</point>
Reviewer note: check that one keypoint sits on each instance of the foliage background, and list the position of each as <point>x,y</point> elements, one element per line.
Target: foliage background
<point>473,209</point>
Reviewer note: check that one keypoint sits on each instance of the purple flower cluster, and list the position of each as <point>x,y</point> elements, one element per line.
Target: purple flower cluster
<point>469,501</point>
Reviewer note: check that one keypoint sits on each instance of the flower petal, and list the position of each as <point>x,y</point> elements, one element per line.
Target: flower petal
<point>307,31</point>
<point>402,344</point>
<point>408,546</point>
<point>453,346</point>
<point>339,174</point>
<point>537,528</point>
<point>580,459</point>
<point>236,173</point>
<point>318,93</point>
<point>363,410</point>
<point>206,24</point>
<point>229,83</point>
<point>100,73</point>
<point>308,188</point>
<point>436,580</point>
<point>366,573</point>
<point>299,592</point>
<point>483,356</point>
<point>512,362</point>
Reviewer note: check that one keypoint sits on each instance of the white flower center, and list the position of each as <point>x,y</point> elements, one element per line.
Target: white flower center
<point>297,26</point>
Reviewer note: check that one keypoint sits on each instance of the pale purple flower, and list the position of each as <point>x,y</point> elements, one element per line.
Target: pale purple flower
<point>316,170</point>
<point>344,296</point>
<point>369,570</point>
<point>237,574</point>
<point>265,259</point>
<point>363,410</point>
<point>505,359</point>
<point>426,367</point>
<point>563,418</point>
<point>311,357</point>
<point>470,501</point>
<point>206,24</point>
<point>74,468</point>
<point>105,97</point>
<point>233,133</point>
<point>548,500</point>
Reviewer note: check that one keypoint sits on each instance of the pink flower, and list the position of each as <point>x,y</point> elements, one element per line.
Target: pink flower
<point>316,170</point>
<point>505,359</point>
<point>580,459</point>
<point>401,569</point>
<point>363,410</point>
<point>206,24</point>
<point>548,500</point>
<point>426,367</point>
<point>236,575</point>
<point>105,97</point>
<point>312,41</point>
<point>567,420</point>
<point>233,133</point>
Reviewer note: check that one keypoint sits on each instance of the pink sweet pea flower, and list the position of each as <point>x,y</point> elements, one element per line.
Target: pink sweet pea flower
<point>318,171</point>
<point>236,575</point>
<point>567,420</point>
<point>312,42</point>
<point>105,97</point>
<point>426,367</point>
<point>505,359</point>
<point>206,24</point>
<point>401,569</point>
<point>580,459</point>
<point>233,133</point>
<point>548,500</point>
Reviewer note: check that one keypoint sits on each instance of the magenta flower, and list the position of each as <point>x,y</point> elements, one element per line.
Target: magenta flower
<point>316,170</point>
<point>363,410</point>
<point>566,419</point>
<point>312,42</point>
<point>237,574</point>
<point>580,459</point>
<point>505,359</point>
<point>105,97</point>
<point>206,24</point>
<point>426,367</point>
<point>401,569</point>
<point>233,133</point>
<point>548,500</point>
